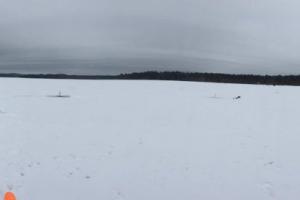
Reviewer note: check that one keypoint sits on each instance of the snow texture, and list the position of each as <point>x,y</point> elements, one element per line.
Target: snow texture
<point>146,140</point>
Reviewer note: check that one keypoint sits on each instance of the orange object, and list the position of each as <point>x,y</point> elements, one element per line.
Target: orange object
<point>9,196</point>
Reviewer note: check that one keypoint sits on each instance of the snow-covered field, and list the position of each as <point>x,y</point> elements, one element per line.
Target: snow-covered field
<point>148,140</point>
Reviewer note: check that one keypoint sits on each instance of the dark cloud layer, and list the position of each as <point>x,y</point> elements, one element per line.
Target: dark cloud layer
<point>114,36</point>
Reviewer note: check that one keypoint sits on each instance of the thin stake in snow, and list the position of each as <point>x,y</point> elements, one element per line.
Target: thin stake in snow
<point>60,95</point>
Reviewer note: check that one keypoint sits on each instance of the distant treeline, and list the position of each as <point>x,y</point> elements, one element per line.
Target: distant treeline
<point>216,77</point>
<point>58,76</point>
<point>176,76</point>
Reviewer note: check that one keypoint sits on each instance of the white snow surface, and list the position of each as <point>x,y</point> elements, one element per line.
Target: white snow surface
<point>148,140</point>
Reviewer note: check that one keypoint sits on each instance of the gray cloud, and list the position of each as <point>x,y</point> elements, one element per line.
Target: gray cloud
<point>114,36</point>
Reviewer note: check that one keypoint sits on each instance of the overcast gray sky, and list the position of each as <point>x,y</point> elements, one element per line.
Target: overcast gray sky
<point>114,36</point>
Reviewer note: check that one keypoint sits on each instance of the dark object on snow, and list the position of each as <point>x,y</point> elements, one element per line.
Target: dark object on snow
<point>59,95</point>
<point>238,97</point>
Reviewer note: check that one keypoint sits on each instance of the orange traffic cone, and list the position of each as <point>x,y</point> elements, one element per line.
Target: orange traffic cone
<point>9,196</point>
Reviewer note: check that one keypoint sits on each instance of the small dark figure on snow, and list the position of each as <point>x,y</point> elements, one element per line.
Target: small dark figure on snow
<point>238,97</point>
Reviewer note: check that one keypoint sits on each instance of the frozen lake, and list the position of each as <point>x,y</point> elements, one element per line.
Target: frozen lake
<point>148,140</point>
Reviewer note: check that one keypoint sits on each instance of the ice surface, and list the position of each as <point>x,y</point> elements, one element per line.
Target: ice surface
<point>146,140</point>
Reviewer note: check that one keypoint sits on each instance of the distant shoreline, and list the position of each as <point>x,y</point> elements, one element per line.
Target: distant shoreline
<point>174,76</point>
